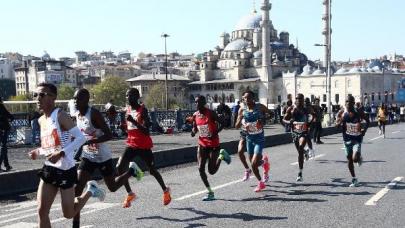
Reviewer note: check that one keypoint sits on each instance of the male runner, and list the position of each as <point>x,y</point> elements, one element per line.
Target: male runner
<point>350,120</point>
<point>252,118</point>
<point>139,144</point>
<point>300,118</point>
<point>206,122</point>
<point>96,154</point>
<point>310,151</point>
<point>59,171</point>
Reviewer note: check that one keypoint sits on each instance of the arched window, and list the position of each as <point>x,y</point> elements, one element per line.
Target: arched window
<point>231,98</point>
<point>336,83</point>
<point>349,83</point>
<point>216,98</point>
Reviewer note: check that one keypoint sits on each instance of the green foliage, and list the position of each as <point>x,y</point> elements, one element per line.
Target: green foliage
<point>21,97</point>
<point>156,98</point>
<point>65,92</point>
<point>112,88</point>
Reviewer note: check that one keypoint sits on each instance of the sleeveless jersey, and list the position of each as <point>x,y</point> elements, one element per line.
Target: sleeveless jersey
<point>351,126</point>
<point>206,127</point>
<point>98,152</point>
<point>250,123</point>
<point>301,120</point>
<point>136,138</point>
<point>53,139</point>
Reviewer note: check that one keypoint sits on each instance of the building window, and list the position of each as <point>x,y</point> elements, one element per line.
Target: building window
<point>336,83</point>
<point>337,98</point>
<point>279,98</point>
<point>379,96</point>
<point>312,98</point>
<point>349,83</point>
<point>372,96</point>
<point>324,98</point>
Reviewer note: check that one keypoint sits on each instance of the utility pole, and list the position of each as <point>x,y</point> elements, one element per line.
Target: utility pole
<point>164,35</point>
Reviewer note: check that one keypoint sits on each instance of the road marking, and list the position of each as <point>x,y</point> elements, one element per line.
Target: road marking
<point>395,132</point>
<point>317,156</point>
<point>21,225</point>
<point>205,191</point>
<point>376,138</point>
<point>380,194</point>
<point>94,208</point>
<point>18,206</point>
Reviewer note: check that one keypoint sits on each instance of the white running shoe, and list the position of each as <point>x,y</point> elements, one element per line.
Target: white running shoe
<point>311,153</point>
<point>95,190</point>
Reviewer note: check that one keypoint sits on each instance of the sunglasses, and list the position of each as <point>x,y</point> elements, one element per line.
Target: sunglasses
<point>42,94</point>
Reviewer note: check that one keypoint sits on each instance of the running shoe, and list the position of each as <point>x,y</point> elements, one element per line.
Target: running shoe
<point>210,197</point>
<point>247,175</point>
<point>128,200</point>
<point>311,153</point>
<point>95,190</point>
<point>355,183</point>
<point>260,186</point>
<point>380,132</point>
<point>224,156</point>
<point>166,196</point>
<point>299,177</point>
<point>266,167</point>
<point>384,135</point>
<point>138,173</point>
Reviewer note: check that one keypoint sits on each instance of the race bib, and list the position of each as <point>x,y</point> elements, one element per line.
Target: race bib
<point>204,130</point>
<point>353,129</point>
<point>300,127</point>
<point>91,148</point>
<point>134,115</point>
<point>252,128</point>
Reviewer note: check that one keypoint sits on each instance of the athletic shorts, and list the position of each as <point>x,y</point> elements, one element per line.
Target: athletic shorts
<point>296,136</point>
<point>145,154</point>
<point>106,168</point>
<point>352,146</point>
<point>208,150</point>
<point>59,178</point>
<point>254,146</point>
<point>243,135</point>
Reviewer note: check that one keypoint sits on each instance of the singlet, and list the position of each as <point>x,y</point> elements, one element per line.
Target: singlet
<point>53,139</point>
<point>381,114</point>
<point>206,128</point>
<point>98,152</point>
<point>301,120</point>
<point>351,126</point>
<point>137,138</point>
<point>250,123</point>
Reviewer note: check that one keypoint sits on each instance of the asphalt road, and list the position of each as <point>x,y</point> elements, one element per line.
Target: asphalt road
<point>324,199</point>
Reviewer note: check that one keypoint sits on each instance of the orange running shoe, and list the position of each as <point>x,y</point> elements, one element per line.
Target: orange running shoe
<point>166,196</point>
<point>127,202</point>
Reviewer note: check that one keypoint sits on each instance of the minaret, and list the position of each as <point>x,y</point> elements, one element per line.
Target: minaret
<point>266,75</point>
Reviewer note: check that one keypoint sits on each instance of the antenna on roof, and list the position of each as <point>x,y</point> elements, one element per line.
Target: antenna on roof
<point>254,6</point>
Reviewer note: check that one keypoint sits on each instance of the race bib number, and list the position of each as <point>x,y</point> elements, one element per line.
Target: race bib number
<point>91,148</point>
<point>300,127</point>
<point>204,130</point>
<point>50,142</point>
<point>253,128</point>
<point>134,115</point>
<point>353,129</point>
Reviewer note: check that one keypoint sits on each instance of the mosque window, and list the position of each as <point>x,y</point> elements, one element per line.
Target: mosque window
<point>324,98</point>
<point>336,83</point>
<point>349,83</point>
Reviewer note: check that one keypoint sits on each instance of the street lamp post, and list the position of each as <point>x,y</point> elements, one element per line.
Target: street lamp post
<point>164,35</point>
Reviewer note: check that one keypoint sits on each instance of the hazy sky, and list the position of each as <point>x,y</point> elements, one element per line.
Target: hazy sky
<point>361,28</point>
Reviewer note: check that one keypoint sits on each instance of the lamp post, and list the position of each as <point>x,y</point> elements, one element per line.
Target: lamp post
<point>164,35</point>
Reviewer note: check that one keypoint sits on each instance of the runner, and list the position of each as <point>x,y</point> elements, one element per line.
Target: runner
<point>59,170</point>
<point>252,118</point>
<point>241,154</point>
<point>350,119</point>
<point>96,154</point>
<point>139,144</point>
<point>382,118</point>
<point>207,123</point>
<point>300,118</point>
<point>310,151</point>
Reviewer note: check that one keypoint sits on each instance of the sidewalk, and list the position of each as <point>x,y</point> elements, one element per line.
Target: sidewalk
<point>20,162</point>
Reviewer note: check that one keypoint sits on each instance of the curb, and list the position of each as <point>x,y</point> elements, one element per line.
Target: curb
<point>27,181</point>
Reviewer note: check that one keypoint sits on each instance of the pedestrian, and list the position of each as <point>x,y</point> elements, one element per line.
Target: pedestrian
<point>318,121</point>
<point>60,138</point>
<point>235,110</point>
<point>402,112</point>
<point>5,119</point>
<point>382,119</point>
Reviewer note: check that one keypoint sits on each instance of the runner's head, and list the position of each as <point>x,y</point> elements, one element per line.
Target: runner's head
<point>200,102</point>
<point>350,102</point>
<point>46,94</point>
<point>249,97</point>
<point>132,96</point>
<point>299,100</point>
<point>81,99</point>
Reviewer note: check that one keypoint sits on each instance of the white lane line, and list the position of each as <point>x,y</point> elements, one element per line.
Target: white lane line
<point>17,206</point>
<point>395,132</point>
<point>21,225</point>
<point>380,194</point>
<point>26,216</point>
<point>94,208</point>
<point>317,156</point>
<point>376,138</point>
<point>205,191</point>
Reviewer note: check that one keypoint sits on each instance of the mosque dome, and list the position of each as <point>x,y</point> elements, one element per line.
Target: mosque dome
<point>257,54</point>
<point>237,45</point>
<point>307,70</point>
<point>370,70</point>
<point>342,70</point>
<point>355,70</point>
<point>318,71</point>
<point>250,21</point>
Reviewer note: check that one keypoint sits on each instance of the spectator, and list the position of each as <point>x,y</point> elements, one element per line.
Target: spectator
<point>225,113</point>
<point>402,112</point>
<point>373,112</point>
<point>5,119</point>
<point>112,117</point>
<point>235,110</point>
<point>318,122</point>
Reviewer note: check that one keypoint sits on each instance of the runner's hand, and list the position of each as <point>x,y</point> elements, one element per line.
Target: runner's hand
<point>54,157</point>
<point>33,154</point>
<point>192,133</point>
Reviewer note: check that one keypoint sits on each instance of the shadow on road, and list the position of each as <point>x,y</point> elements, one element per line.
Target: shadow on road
<point>324,161</point>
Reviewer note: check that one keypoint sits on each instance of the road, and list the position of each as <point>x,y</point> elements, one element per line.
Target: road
<point>322,200</point>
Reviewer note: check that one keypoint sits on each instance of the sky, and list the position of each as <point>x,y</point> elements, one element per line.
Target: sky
<point>361,28</point>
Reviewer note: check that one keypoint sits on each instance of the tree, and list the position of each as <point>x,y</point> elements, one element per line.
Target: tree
<point>21,97</point>
<point>141,55</point>
<point>112,88</point>
<point>65,92</point>
<point>156,98</point>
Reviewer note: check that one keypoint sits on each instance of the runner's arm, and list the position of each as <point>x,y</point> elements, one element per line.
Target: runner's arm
<point>238,123</point>
<point>98,122</point>
<point>288,116</point>
<point>194,130</point>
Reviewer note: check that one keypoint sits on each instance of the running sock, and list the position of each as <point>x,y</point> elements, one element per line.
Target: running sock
<point>76,224</point>
<point>209,189</point>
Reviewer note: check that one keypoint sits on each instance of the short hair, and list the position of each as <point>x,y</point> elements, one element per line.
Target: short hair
<point>50,86</point>
<point>250,92</point>
<point>134,90</point>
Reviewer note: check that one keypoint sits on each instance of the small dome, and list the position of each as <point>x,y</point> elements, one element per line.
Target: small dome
<point>307,70</point>
<point>250,21</point>
<point>355,70</point>
<point>237,45</point>
<point>342,70</point>
<point>318,71</point>
<point>370,70</point>
<point>257,54</point>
